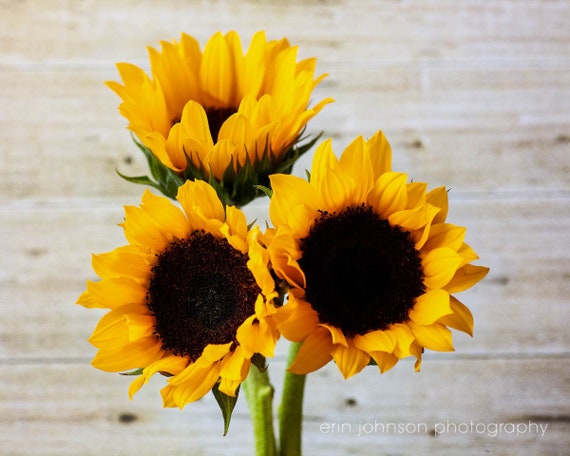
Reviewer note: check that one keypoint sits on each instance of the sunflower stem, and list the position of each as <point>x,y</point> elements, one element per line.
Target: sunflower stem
<point>291,409</point>
<point>259,395</point>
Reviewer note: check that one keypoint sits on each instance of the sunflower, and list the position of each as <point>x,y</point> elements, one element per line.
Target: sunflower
<point>219,115</point>
<point>370,259</point>
<point>190,296</point>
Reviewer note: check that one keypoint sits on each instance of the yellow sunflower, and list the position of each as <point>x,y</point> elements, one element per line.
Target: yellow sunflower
<point>220,115</point>
<point>370,259</point>
<point>190,296</point>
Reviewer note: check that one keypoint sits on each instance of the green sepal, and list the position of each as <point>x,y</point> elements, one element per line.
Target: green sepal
<point>268,192</point>
<point>226,404</point>
<point>259,361</point>
<point>239,184</point>
<point>163,178</point>
<point>138,371</point>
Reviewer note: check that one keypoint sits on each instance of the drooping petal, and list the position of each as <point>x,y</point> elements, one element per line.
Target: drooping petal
<point>461,318</point>
<point>466,277</point>
<point>435,337</point>
<point>314,353</point>
<point>350,360</point>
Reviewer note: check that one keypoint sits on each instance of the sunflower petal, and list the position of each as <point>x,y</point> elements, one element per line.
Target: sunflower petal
<point>130,356</point>
<point>435,337</point>
<point>460,319</point>
<point>375,341</point>
<point>384,361</point>
<point>350,360</point>
<point>314,353</point>
<point>439,266</point>
<point>430,307</point>
<point>466,277</point>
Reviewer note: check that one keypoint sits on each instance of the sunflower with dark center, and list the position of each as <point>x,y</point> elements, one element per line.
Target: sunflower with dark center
<point>219,110</point>
<point>371,261</point>
<point>190,296</point>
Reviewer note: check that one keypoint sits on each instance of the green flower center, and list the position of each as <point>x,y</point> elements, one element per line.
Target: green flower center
<point>200,292</point>
<point>362,274</point>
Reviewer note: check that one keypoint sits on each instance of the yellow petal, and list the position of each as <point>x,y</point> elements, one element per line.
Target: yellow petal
<point>435,337</point>
<point>439,267</point>
<point>284,255</point>
<point>292,192</point>
<point>111,330</point>
<point>296,319</point>
<point>314,353</point>
<point>404,338</point>
<point>438,198</point>
<point>235,229</point>
<point>389,194</point>
<point>384,361</point>
<point>375,341</point>
<point>323,161</point>
<point>140,229</point>
<point>445,235</point>
<point>201,204</point>
<point>121,262</point>
<point>239,131</point>
<point>217,77</point>
<point>235,366</point>
<point>430,307</point>
<point>198,381</point>
<point>194,124</point>
<point>220,157</point>
<point>113,293</point>
<point>139,326</point>
<point>170,364</point>
<point>253,70</point>
<point>256,336</point>
<point>466,277</point>
<point>336,334</point>
<point>460,319</point>
<point>350,360</point>
<point>380,154</point>
<point>166,216</point>
<point>130,356</point>
<point>355,161</point>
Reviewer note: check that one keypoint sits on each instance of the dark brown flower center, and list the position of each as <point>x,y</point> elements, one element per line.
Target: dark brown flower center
<point>361,273</point>
<point>200,292</point>
<point>216,118</point>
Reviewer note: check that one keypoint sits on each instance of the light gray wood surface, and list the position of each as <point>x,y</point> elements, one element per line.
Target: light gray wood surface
<point>473,95</point>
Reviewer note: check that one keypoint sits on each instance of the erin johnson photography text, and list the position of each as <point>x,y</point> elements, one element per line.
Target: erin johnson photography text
<point>363,428</point>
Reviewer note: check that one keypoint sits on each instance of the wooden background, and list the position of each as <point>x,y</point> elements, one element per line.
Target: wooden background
<point>473,95</point>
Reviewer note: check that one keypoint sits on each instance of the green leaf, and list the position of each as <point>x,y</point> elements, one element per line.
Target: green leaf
<point>143,180</point>
<point>138,371</point>
<point>226,404</point>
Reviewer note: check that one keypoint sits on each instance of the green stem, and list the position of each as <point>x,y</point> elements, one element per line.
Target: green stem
<point>259,395</point>
<point>291,409</point>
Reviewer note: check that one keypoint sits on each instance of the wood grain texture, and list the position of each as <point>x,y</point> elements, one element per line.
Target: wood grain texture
<point>473,95</point>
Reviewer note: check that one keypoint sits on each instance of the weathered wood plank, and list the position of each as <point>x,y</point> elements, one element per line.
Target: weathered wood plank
<point>472,95</point>
<point>70,408</point>
<point>88,31</point>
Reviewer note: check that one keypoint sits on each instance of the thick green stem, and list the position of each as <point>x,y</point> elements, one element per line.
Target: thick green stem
<point>291,409</point>
<point>259,395</point>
